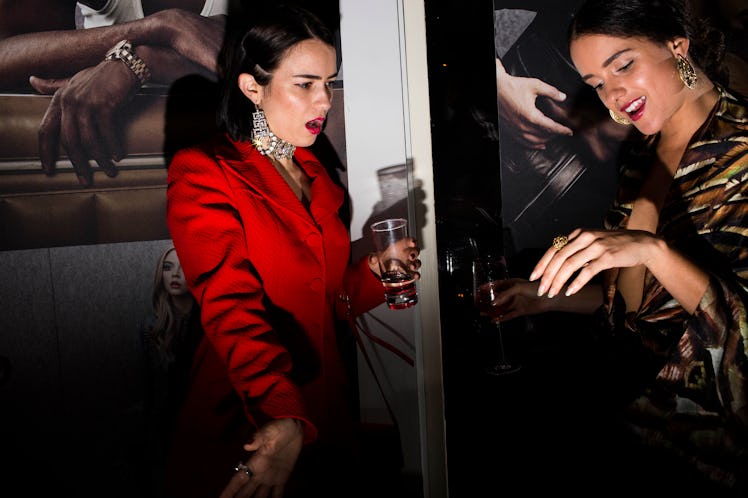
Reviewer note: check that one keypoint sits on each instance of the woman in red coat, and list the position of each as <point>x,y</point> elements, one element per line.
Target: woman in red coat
<point>254,217</point>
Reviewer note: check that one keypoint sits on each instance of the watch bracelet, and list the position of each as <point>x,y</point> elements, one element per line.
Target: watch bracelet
<point>127,55</point>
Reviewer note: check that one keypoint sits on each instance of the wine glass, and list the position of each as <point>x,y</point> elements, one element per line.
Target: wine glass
<point>488,272</point>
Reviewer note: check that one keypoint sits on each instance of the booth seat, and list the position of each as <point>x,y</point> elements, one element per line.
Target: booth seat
<point>39,211</point>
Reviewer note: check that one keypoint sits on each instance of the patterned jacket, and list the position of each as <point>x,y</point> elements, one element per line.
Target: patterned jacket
<point>697,404</point>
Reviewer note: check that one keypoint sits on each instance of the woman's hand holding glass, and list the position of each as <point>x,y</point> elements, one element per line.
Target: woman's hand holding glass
<point>410,248</point>
<point>519,297</point>
<point>489,275</point>
<point>396,260</point>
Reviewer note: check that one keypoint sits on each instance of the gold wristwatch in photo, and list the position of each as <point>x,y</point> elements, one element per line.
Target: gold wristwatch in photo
<point>123,51</point>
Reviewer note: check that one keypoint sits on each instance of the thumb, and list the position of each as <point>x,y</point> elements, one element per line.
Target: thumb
<point>254,443</point>
<point>373,261</point>
<point>47,86</point>
<point>550,91</point>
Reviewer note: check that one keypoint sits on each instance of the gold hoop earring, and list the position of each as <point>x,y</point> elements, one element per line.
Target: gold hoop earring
<point>686,72</point>
<point>618,118</point>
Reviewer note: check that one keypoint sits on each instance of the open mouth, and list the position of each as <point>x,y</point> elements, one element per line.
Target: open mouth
<point>315,126</point>
<point>636,108</point>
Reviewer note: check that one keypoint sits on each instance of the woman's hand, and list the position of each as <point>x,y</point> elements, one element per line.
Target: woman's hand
<point>409,251</point>
<point>276,446</point>
<point>589,252</point>
<point>519,297</point>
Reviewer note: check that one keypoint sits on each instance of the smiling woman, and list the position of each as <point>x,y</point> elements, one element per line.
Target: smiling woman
<point>622,71</point>
<point>672,307</point>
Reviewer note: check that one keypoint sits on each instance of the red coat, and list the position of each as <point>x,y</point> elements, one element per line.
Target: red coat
<point>267,274</point>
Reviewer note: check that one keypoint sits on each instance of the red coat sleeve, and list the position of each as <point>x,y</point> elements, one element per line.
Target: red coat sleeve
<point>362,287</point>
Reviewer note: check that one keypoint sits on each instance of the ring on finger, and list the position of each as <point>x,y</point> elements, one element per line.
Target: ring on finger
<point>560,241</point>
<point>240,467</point>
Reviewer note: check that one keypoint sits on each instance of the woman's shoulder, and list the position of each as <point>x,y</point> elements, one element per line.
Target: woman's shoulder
<point>202,153</point>
<point>728,132</point>
<point>733,107</point>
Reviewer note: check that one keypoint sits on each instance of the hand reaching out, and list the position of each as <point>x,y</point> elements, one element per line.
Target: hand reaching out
<point>589,252</point>
<point>276,446</point>
<point>517,98</point>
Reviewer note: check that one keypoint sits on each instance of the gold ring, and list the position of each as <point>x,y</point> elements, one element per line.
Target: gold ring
<point>560,241</point>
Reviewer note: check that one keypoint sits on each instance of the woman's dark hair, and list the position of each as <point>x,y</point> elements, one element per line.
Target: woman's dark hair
<point>256,44</point>
<point>656,20</point>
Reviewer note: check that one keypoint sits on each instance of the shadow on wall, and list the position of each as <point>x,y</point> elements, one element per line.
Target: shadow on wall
<point>400,195</point>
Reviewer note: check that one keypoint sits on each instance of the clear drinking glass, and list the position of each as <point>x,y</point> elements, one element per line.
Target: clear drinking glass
<point>399,281</point>
<point>488,272</point>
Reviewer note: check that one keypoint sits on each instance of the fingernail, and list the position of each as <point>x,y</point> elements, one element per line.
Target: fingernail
<point>551,294</point>
<point>533,276</point>
<point>541,291</point>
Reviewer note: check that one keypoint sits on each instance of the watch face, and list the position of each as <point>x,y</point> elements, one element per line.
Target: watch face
<point>115,52</point>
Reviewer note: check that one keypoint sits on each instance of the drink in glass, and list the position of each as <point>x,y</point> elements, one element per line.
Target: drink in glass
<point>488,274</point>
<point>391,244</point>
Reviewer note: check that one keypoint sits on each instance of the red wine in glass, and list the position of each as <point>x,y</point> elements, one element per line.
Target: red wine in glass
<point>488,274</point>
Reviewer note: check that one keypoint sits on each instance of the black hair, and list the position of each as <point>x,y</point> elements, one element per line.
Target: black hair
<point>256,44</point>
<point>659,21</point>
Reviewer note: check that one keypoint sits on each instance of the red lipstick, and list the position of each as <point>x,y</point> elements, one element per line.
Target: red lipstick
<point>315,126</point>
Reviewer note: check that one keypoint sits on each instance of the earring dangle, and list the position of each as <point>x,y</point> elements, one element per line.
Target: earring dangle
<point>265,141</point>
<point>686,72</point>
<point>618,118</point>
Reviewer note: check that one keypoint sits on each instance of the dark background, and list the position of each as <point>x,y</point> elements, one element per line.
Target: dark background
<point>516,432</point>
<point>554,426</point>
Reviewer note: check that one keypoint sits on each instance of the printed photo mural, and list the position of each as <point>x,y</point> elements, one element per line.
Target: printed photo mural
<point>84,141</point>
<point>86,133</point>
<point>558,144</point>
